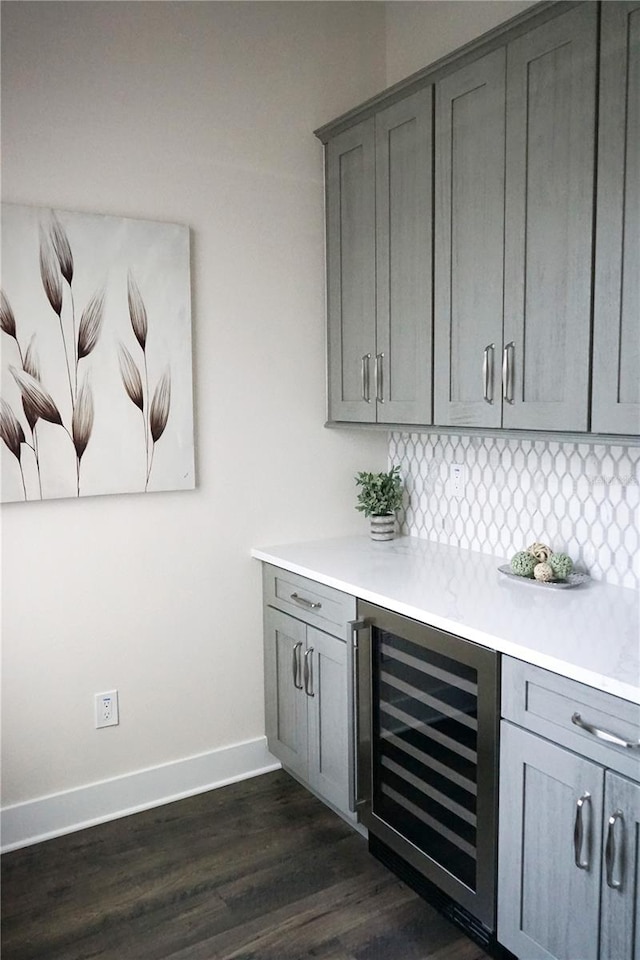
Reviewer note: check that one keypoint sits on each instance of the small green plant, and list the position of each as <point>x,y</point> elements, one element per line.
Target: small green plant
<point>380,494</point>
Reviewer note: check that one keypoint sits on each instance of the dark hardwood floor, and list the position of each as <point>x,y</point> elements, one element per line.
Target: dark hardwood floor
<point>259,870</point>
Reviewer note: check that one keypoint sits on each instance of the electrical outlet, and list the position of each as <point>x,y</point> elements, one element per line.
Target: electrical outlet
<point>106,705</point>
<point>456,480</point>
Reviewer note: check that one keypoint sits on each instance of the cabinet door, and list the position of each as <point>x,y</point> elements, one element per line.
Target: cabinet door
<point>616,335</point>
<point>285,700</point>
<point>547,905</point>
<point>551,86</point>
<point>403,258</point>
<point>620,914</point>
<point>351,256</point>
<point>470,137</point>
<point>328,717</point>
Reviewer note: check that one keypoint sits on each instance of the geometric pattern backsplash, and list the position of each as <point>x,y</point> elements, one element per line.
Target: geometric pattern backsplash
<point>579,498</point>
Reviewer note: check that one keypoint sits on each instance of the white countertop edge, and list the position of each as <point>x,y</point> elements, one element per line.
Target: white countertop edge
<point>554,664</point>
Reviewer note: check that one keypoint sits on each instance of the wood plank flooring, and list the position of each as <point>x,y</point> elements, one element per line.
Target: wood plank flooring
<point>259,870</point>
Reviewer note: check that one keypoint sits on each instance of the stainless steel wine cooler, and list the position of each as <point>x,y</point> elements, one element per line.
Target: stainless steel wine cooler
<point>427,730</point>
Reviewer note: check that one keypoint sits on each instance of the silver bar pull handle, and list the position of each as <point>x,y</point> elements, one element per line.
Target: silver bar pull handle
<point>295,666</point>
<point>378,371</point>
<point>364,376</point>
<point>353,731</point>
<point>308,604</point>
<point>578,833</point>
<point>308,674</point>
<point>611,851</point>
<point>604,734</point>
<point>487,373</point>
<point>507,371</point>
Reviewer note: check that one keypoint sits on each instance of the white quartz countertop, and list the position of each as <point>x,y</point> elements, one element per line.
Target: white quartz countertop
<point>590,633</point>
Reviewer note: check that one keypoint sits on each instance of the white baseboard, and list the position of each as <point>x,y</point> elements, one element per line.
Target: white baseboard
<point>71,810</point>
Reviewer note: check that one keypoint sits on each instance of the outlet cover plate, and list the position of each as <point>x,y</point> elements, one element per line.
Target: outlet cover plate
<point>106,709</point>
<point>457,480</point>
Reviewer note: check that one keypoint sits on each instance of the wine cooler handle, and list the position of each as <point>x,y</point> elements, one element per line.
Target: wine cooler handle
<point>354,709</point>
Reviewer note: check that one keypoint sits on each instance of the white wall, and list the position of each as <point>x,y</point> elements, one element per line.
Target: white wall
<point>418,32</point>
<point>198,113</point>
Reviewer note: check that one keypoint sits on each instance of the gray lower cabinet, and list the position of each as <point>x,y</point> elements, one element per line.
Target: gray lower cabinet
<point>616,335</point>
<point>569,822</point>
<point>379,234</point>
<point>620,906</point>
<point>286,706</point>
<point>541,887</point>
<point>307,685</point>
<point>515,141</point>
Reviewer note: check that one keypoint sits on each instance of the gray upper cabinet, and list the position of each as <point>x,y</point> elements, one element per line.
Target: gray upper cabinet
<point>551,101</point>
<point>351,290</point>
<point>379,234</point>
<point>403,260</point>
<point>509,174</point>
<point>616,368</point>
<point>469,246</point>
<point>515,135</point>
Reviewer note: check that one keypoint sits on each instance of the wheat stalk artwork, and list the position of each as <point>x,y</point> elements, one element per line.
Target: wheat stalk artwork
<point>154,418</point>
<point>96,392</point>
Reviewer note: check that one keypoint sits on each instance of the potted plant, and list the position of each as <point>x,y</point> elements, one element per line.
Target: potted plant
<point>379,497</point>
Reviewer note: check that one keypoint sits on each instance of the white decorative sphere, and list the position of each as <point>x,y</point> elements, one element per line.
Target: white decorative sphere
<point>540,551</point>
<point>543,572</point>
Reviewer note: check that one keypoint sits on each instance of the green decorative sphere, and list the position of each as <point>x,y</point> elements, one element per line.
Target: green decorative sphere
<point>523,564</point>
<point>561,564</point>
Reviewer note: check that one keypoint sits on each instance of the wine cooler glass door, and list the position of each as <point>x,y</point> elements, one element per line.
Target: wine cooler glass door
<point>433,755</point>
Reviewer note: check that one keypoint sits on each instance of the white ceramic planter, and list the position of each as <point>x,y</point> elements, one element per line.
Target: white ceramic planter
<point>383,528</point>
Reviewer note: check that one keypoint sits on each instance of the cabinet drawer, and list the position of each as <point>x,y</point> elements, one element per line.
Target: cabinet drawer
<point>563,710</point>
<point>307,600</point>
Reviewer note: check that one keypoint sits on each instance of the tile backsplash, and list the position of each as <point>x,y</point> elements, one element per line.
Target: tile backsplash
<point>581,498</point>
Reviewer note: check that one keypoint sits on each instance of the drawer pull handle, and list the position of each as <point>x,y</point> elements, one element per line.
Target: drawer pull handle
<point>309,604</point>
<point>578,833</point>
<point>308,675</point>
<point>604,734</point>
<point>296,665</point>
<point>610,851</point>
